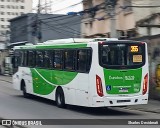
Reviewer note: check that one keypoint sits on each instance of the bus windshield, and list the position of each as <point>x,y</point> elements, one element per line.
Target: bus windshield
<point>125,55</point>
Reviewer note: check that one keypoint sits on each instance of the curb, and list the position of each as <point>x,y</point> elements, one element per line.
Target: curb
<point>141,109</point>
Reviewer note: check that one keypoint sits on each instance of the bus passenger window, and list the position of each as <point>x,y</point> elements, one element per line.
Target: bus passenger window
<point>31,58</point>
<point>25,58</point>
<point>39,59</point>
<point>82,60</point>
<point>17,59</point>
<point>48,63</point>
<point>69,60</point>
<point>57,59</point>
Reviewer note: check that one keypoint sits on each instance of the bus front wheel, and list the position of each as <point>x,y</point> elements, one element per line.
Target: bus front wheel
<point>60,100</point>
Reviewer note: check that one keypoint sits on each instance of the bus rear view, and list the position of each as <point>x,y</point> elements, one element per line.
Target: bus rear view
<point>125,73</point>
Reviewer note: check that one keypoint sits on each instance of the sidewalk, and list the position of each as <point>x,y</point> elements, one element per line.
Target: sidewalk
<point>152,106</point>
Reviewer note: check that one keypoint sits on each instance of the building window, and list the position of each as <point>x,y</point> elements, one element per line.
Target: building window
<point>8,6</point>
<point>2,13</point>
<point>13,7</point>
<point>2,26</point>
<point>2,19</point>
<point>2,6</point>
<point>22,7</point>
<point>126,4</point>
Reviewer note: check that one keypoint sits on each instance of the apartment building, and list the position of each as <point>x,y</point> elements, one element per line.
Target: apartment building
<point>10,9</point>
<point>129,20</point>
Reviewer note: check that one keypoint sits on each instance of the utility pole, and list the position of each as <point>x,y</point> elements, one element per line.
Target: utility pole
<point>110,9</point>
<point>38,24</point>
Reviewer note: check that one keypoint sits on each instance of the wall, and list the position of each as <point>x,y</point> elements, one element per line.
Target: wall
<point>140,13</point>
<point>53,26</point>
<point>19,29</point>
<point>91,25</point>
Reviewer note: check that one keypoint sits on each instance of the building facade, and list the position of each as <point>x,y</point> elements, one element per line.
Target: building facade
<point>36,29</point>
<point>10,9</point>
<point>127,16</point>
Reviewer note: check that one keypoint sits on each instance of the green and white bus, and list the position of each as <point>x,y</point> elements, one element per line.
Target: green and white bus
<point>84,72</point>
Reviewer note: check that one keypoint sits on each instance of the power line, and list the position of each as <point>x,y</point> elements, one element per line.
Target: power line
<point>62,29</point>
<point>67,27</point>
<point>55,29</point>
<point>57,17</point>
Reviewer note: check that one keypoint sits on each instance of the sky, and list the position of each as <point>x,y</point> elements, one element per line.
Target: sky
<point>60,5</point>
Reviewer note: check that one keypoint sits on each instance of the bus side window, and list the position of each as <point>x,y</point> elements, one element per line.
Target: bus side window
<point>69,60</point>
<point>83,60</point>
<point>39,59</point>
<point>57,64</point>
<point>17,59</point>
<point>31,58</point>
<point>25,58</point>
<point>89,59</point>
<point>22,58</point>
<point>48,63</point>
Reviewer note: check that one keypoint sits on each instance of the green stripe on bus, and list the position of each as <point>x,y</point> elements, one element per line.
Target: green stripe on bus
<point>45,81</point>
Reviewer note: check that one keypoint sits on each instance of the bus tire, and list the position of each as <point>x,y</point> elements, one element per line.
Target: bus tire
<point>23,88</point>
<point>60,99</point>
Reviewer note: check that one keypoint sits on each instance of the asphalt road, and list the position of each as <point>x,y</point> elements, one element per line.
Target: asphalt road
<point>14,106</point>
